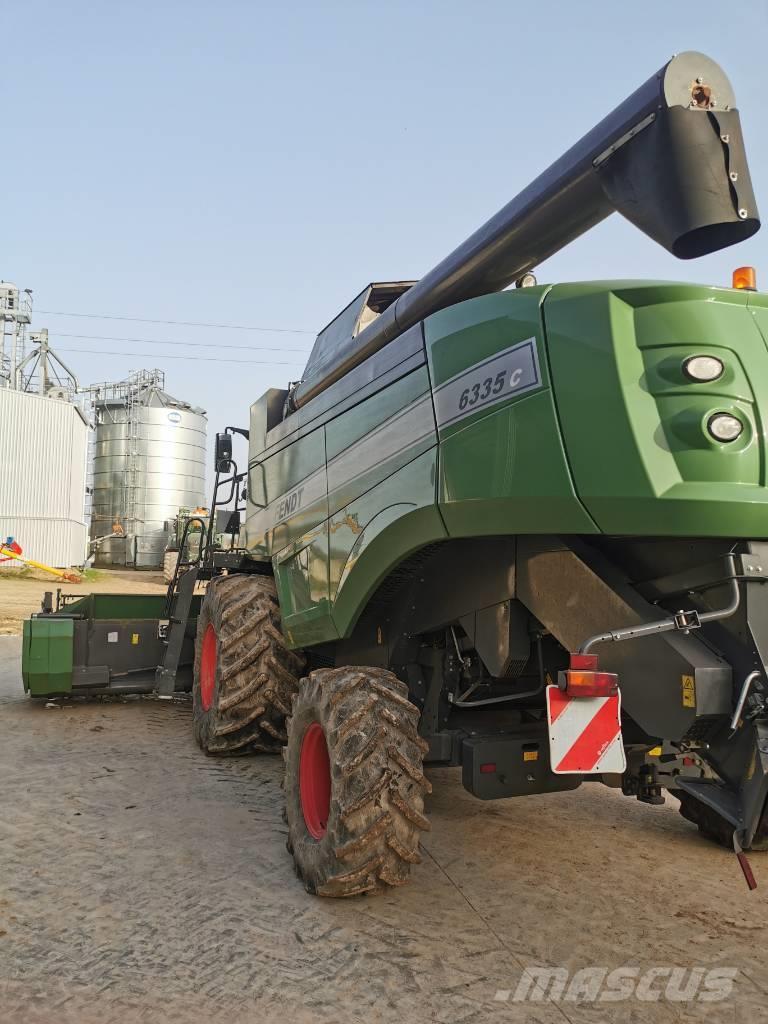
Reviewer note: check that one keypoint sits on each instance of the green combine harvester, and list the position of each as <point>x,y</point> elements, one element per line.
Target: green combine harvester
<point>471,497</point>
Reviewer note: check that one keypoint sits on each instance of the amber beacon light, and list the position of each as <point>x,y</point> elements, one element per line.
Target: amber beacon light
<point>745,278</point>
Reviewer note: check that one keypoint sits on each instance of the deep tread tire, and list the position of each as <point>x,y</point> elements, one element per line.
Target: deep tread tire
<point>378,786</point>
<point>170,561</point>
<point>717,829</point>
<point>256,674</point>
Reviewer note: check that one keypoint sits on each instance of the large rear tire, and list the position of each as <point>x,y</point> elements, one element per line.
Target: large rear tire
<point>245,675</point>
<point>354,782</point>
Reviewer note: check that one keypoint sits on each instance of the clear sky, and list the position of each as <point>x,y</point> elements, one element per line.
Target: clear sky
<point>257,163</point>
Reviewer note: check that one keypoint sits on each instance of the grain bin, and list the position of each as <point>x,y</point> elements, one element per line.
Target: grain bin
<point>149,456</point>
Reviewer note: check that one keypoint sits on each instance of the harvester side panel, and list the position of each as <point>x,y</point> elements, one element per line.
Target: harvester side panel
<point>503,468</point>
<point>348,493</point>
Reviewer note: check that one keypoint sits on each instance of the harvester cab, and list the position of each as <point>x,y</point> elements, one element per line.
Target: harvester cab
<point>520,532</point>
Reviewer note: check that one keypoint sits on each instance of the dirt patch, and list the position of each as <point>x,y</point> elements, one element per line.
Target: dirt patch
<point>144,881</point>
<point>21,594</point>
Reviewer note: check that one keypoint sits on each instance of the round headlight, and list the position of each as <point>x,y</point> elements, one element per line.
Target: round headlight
<point>724,427</point>
<point>703,368</point>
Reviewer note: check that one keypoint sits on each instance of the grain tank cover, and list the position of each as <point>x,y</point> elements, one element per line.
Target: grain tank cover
<point>670,158</point>
<point>344,328</point>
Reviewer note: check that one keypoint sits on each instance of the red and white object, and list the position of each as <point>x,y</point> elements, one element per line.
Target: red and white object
<point>585,731</point>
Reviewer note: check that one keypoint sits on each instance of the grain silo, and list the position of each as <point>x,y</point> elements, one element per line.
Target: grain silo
<point>149,455</point>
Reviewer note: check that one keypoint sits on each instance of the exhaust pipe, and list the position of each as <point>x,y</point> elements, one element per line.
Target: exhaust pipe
<point>670,159</point>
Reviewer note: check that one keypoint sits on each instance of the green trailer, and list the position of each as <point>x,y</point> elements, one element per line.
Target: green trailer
<point>102,644</point>
<point>524,533</point>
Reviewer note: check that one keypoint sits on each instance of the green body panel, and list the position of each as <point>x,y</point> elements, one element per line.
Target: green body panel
<point>394,519</point>
<point>46,656</point>
<point>503,469</point>
<point>380,467</point>
<point>634,426</point>
<point>548,410</point>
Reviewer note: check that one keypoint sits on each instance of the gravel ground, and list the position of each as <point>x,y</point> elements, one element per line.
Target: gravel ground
<point>144,882</point>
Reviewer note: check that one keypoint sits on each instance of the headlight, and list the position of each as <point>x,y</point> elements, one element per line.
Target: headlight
<point>703,368</point>
<point>724,427</point>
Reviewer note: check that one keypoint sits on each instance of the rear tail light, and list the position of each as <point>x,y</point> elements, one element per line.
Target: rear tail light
<point>583,679</point>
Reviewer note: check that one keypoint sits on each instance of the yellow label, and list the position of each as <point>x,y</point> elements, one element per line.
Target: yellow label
<point>530,755</point>
<point>689,692</point>
<point>134,638</point>
<point>654,752</point>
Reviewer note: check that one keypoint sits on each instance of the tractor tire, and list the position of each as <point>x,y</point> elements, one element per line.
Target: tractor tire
<point>170,561</point>
<point>245,675</point>
<point>712,826</point>
<point>354,782</point>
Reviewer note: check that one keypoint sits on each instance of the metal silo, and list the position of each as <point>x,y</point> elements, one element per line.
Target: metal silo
<point>42,477</point>
<point>148,461</point>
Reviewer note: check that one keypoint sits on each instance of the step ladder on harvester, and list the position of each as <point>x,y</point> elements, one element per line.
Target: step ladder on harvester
<point>181,591</point>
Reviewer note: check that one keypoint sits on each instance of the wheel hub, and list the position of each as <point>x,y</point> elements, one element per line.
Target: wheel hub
<point>315,781</point>
<point>208,667</point>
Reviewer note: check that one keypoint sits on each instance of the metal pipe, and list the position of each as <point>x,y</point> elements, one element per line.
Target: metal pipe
<point>670,159</point>
<point>745,687</point>
<point>459,702</point>
<point>506,699</point>
<point>675,622</point>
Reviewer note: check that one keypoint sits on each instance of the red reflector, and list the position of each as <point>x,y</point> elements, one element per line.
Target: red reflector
<point>584,661</point>
<point>583,680</point>
<point>590,684</point>
<point>688,762</point>
<point>488,769</point>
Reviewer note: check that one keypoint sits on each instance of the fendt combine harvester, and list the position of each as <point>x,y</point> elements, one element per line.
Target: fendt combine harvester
<point>474,494</point>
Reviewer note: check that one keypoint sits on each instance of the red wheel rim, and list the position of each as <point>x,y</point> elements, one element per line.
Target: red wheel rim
<point>315,781</point>
<point>208,668</point>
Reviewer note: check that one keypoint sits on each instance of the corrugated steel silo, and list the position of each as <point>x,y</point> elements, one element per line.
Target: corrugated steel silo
<point>149,456</point>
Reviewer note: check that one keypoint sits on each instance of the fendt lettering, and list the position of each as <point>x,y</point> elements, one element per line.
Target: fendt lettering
<point>289,505</point>
<point>533,512</point>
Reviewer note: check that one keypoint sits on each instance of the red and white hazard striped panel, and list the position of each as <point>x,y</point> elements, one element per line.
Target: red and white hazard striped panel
<point>584,733</point>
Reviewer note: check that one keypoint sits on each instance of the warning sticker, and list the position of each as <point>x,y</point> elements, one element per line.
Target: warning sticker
<point>689,692</point>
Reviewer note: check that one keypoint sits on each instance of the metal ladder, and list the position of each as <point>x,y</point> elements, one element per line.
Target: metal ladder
<point>181,591</point>
<point>129,477</point>
<point>180,605</point>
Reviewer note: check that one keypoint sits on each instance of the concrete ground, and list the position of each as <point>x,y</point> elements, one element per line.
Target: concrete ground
<point>144,882</point>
